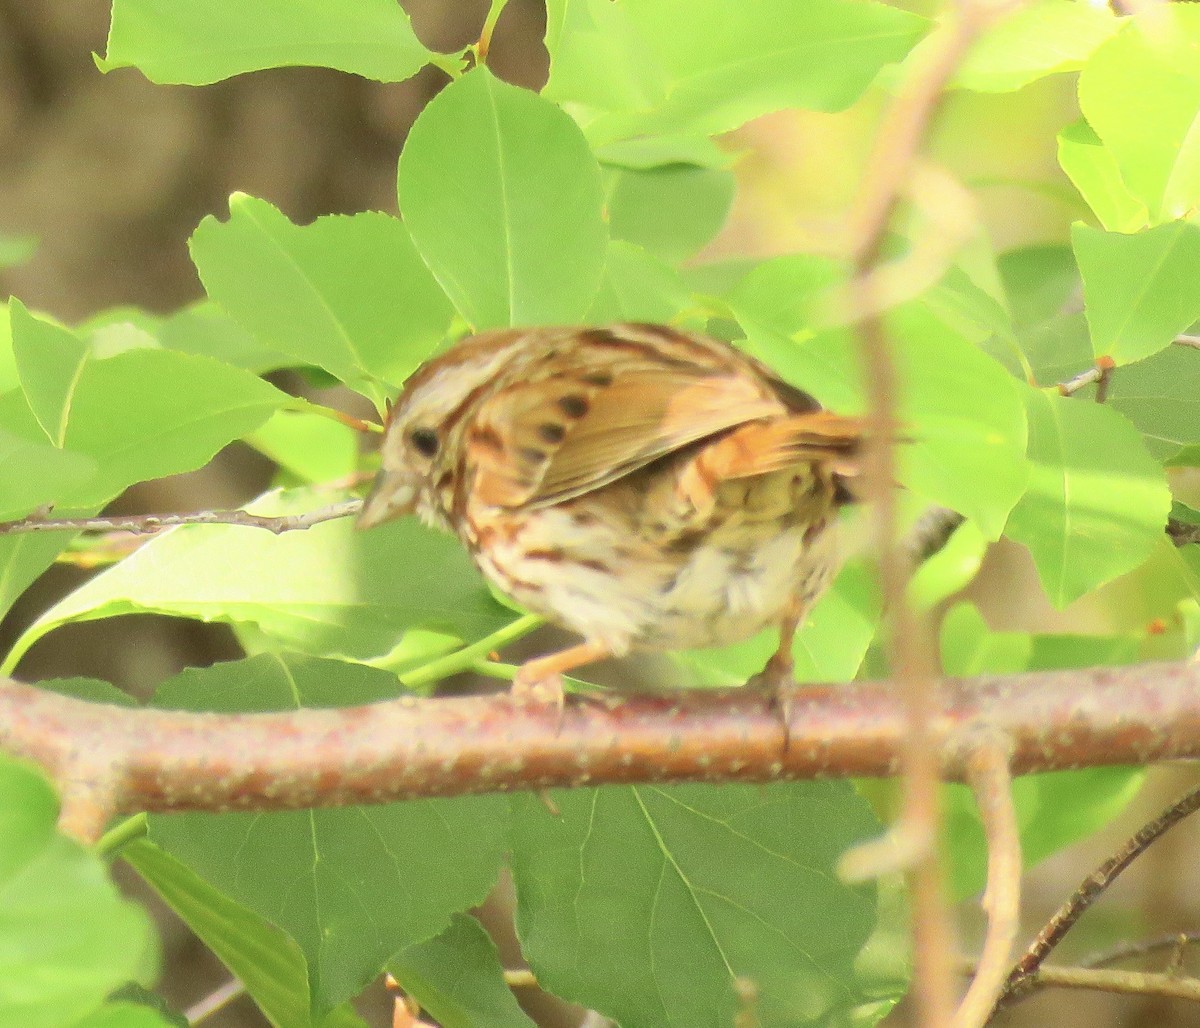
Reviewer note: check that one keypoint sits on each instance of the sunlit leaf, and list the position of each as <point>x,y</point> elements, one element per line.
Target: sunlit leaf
<point>1140,92</point>
<point>1140,291</point>
<point>347,294</point>
<point>329,590</point>
<point>200,43</point>
<point>1097,501</point>
<point>503,198</point>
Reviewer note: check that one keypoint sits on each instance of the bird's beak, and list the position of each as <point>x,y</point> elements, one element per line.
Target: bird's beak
<point>388,499</point>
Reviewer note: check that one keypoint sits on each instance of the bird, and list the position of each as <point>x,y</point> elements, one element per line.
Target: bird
<point>644,487</point>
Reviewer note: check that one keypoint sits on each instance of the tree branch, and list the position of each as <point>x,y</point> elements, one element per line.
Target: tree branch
<point>160,760</point>
<point>141,524</point>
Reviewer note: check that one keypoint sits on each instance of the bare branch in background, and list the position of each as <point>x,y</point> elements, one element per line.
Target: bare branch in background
<point>1090,890</point>
<point>1140,948</point>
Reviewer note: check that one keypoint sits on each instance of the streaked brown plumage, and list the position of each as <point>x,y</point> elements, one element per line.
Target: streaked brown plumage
<point>642,486</point>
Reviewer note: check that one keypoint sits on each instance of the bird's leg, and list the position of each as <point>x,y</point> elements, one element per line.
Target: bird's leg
<point>539,681</point>
<point>778,674</point>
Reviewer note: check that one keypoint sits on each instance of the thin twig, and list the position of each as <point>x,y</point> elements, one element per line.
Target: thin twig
<point>990,779</point>
<point>1138,948</point>
<point>1072,385</point>
<point>1133,983</point>
<point>216,1000</point>
<point>1100,374</point>
<point>140,524</point>
<point>1175,963</point>
<point>410,748</point>
<point>1090,890</point>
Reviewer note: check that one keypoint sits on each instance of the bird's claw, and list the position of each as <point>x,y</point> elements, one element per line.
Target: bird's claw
<point>543,690</point>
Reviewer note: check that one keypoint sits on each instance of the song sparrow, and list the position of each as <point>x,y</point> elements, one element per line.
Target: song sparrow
<point>644,487</point>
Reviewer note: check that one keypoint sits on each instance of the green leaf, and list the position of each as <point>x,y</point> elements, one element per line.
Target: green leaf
<point>196,44</point>
<point>637,286</point>
<point>23,558</point>
<point>1140,291</point>
<point>1038,281</point>
<point>1054,810</point>
<point>457,978</point>
<point>599,58</point>
<point>948,571</point>
<point>126,1015</point>
<point>146,413</point>
<point>1050,342</point>
<point>311,449</point>
<point>261,956</point>
<point>67,938</point>
<point>94,690</point>
<point>1140,92</point>
<point>50,362</point>
<point>347,294</point>
<point>503,198</point>
<point>648,904</point>
<point>8,361</point>
<point>1156,604</point>
<point>1182,512</point>
<point>330,590</point>
<point>1091,167</point>
<point>1161,396</point>
<point>1187,457</point>
<point>351,885</point>
<point>1097,501</point>
<point>176,411</point>
<point>829,647</point>
<point>672,211</point>
<point>34,474</point>
<point>1047,37</point>
<point>674,67</point>
<point>207,331</point>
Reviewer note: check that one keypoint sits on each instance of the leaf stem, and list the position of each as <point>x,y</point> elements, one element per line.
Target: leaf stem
<point>299,405</point>
<point>489,26</point>
<point>120,835</point>
<point>470,657</point>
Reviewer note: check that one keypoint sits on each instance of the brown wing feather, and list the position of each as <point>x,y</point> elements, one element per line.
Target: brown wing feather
<point>765,446</point>
<point>592,414</point>
<point>773,445</point>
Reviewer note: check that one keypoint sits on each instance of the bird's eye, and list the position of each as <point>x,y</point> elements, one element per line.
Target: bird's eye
<point>424,441</point>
